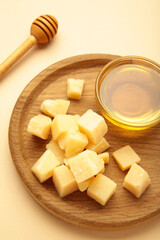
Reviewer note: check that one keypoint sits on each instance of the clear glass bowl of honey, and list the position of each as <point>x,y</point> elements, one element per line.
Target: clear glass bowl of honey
<point>128,92</point>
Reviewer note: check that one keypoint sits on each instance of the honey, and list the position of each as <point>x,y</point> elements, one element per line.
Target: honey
<point>130,95</point>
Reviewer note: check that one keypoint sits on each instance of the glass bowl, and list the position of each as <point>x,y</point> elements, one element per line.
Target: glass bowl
<point>128,92</point>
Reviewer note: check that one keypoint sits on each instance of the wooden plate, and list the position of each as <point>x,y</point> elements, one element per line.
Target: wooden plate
<point>123,209</point>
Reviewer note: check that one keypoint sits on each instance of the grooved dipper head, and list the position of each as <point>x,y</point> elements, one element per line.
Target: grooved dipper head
<point>44,28</point>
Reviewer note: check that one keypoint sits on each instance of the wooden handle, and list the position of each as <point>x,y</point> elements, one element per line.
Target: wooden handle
<point>17,54</point>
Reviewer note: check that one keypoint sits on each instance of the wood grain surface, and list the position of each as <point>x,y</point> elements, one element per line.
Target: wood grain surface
<point>123,209</point>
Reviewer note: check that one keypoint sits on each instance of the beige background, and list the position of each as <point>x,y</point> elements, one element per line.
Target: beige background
<point>86,26</point>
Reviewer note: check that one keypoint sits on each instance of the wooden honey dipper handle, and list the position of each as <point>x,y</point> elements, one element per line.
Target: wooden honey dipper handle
<point>17,54</point>
<point>43,29</point>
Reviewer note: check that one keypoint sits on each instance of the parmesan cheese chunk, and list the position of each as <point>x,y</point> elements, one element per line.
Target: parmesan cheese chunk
<point>136,180</point>
<point>85,165</point>
<point>125,157</point>
<point>99,147</point>
<point>104,156</point>
<point>93,125</point>
<point>64,181</point>
<point>75,143</point>
<point>43,168</point>
<point>74,128</point>
<point>74,88</point>
<point>85,184</point>
<point>101,189</point>
<point>62,123</point>
<point>54,107</point>
<point>40,126</point>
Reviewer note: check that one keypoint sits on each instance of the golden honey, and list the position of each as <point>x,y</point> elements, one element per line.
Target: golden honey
<point>128,93</point>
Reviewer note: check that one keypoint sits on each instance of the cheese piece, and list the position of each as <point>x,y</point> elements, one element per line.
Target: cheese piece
<point>62,123</point>
<point>85,165</point>
<point>101,189</point>
<point>74,88</point>
<point>54,107</point>
<point>75,143</point>
<point>62,138</point>
<point>58,152</point>
<point>104,156</point>
<point>64,181</point>
<point>43,168</point>
<point>137,180</point>
<point>93,125</point>
<point>99,147</point>
<point>82,186</point>
<point>40,126</point>
<point>125,157</point>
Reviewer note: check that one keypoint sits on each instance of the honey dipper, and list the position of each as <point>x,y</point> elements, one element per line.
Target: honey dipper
<point>43,29</point>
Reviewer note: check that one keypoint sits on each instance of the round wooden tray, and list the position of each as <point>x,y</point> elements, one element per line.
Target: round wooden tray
<point>123,209</point>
